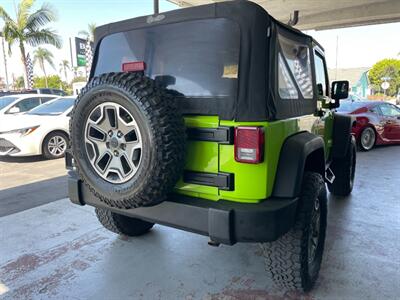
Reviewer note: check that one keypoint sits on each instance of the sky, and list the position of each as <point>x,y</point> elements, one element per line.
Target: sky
<point>358,46</point>
<point>74,16</point>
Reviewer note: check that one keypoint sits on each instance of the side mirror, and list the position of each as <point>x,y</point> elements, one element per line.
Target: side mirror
<point>14,110</point>
<point>339,90</point>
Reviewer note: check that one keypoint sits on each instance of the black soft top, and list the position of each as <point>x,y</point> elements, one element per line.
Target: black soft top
<point>257,99</point>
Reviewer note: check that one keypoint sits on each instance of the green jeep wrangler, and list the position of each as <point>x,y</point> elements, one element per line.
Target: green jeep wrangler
<point>218,120</point>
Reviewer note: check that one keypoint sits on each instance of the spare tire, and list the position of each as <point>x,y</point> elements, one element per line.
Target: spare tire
<point>127,140</point>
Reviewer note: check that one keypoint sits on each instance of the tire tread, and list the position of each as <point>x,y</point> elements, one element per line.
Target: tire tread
<point>120,224</point>
<point>286,258</point>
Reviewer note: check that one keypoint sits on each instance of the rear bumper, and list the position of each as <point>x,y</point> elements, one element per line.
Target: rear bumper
<point>224,222</point>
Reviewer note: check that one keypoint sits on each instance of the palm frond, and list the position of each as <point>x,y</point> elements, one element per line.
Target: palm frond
<point>10,30</point>
<point>65,64</point>
<point>92,28</point>
<point>84,33</point>
<point>5,16</point>
<point>49,59</point>
<point>44,36</point>
<point>51,63</point>
<point>23,12</point>
<point>40,55</point>
<point>41,17</point>
<point>11,34</point>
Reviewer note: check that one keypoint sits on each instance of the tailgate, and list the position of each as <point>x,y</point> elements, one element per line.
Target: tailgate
<point>211,171</point>
<point>200,178</point>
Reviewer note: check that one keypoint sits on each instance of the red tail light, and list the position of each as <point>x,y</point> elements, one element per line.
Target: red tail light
<point>249,144</point>
<point>134,66</point>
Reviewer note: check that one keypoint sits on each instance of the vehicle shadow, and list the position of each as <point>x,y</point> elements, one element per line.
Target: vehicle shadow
<point>379,147</point>
<point>27,196</point>
<point>26,159</point>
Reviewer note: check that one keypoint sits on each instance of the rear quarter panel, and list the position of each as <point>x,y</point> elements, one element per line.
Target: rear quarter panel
<point>368,119</point>
<point>253,182</point>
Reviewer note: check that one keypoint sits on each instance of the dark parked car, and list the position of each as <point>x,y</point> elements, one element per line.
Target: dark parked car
<point>46,91</point>
<point>50,91</point>
<point>378,123</point>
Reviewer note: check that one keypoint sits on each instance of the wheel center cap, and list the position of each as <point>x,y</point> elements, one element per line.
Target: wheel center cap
<point>114,142</point>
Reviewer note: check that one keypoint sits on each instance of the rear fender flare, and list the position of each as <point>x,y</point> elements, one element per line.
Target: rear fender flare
<point>299,152</point>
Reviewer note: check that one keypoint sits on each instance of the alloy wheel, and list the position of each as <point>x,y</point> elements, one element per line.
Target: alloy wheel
<point>57,145</point>
<point>113,142</point>
<point>368,138</point>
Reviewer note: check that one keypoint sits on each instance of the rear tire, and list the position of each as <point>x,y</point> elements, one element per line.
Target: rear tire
<point>367,139</point>
<point>121,224</point>
<point>294,259</point>
<point>54,145</point>
<point>344,171</point>
<point>112,114</point>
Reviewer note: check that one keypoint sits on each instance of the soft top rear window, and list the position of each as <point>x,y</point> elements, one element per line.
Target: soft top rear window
<point>194,58</point>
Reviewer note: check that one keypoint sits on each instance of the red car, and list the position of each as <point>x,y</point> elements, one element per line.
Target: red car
<point>378,123</point>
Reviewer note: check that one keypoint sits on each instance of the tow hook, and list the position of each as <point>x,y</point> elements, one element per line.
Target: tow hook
<point>329,176</point>
<point>213,243</point>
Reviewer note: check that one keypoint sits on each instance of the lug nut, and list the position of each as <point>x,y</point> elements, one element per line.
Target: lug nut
<point>119,134</point>
<point>110,133</point>
<point>115,153</point>
<point>123,146</point>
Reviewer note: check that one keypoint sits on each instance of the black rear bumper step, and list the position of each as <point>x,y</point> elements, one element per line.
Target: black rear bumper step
<point>225,222</point>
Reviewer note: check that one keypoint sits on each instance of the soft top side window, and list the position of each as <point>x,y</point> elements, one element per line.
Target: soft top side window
<point>294,69</point>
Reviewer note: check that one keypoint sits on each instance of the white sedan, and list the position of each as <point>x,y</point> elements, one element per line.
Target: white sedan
<point>42,131</point>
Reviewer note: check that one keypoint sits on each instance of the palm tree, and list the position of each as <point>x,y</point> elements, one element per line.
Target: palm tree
<point>64,66</point>
<point>27,28</point>
<point>88,34</point>
<point>19,83</point>
<point>41,56</point>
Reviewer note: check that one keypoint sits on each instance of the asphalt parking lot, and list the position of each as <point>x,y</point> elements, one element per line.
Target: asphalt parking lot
<point>27,182</point>
<point>60,251</point>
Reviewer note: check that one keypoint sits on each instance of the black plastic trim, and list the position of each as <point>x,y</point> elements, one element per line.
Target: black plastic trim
<point>68,160</point>
<point>222,135</point>
<point>74,188</point>
<point>223,221</point>
<point>292,161</point>
<point>223,181</point>
<point>342,127</point>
